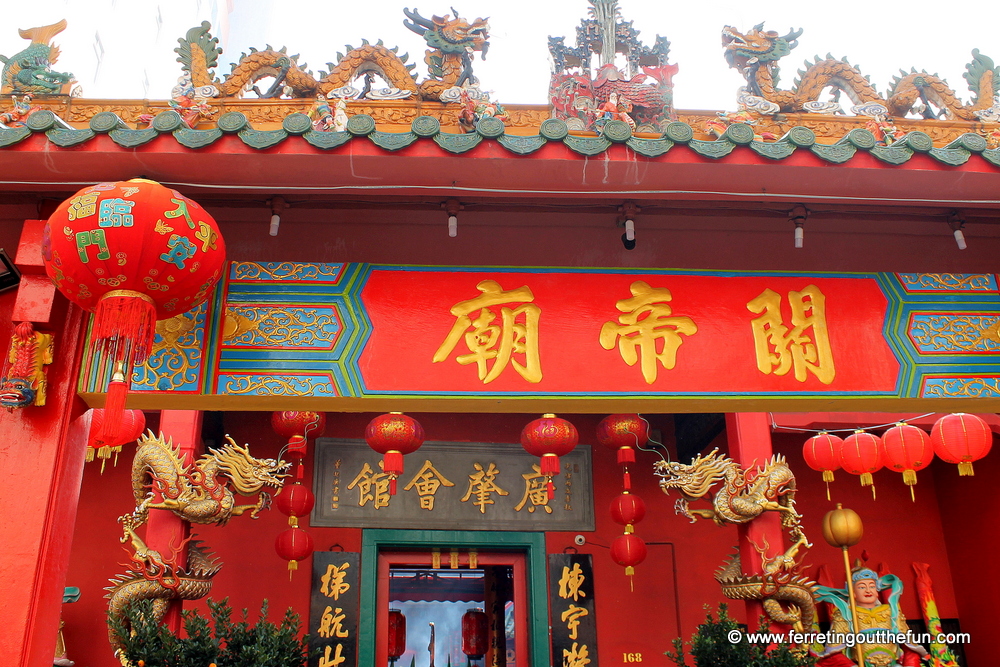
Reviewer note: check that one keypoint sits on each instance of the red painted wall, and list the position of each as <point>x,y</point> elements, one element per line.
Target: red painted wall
<point>644,621</point>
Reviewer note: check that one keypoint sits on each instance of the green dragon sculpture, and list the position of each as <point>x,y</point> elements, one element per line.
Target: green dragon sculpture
<point>449,59</point>
<point>756,53</point>
<point>30,70</point>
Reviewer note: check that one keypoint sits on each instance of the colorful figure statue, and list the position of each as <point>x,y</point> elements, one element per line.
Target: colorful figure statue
<point>886,133</point>
<point>321,115</point>
<point>874,615</point>
<point>24,383</point>
<point>187,102</point>
<point>474,109</point>
<point>616,108</point>
<point>18,114</point>
<point>717,127</point>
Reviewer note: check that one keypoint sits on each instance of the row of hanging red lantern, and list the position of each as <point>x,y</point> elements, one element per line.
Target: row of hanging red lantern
<point>625,433</point>
<point>296,500</point>
<point>956,438</point>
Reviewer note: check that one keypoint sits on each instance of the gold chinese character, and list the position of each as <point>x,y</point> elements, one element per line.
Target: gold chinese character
<point>82,206</point>
<point>535,490</point>
<point>646,325</point>
<point>571,617</point>
<point>576,657</point>
<point>427,483</point>
<point>780,348</point>
<point>326,660</point>
<point>570,583</point>
<point>333,583</point>
<point>371,486</point>
<point>517,333</point>
<point>483,484</point>
<point>331,623</point>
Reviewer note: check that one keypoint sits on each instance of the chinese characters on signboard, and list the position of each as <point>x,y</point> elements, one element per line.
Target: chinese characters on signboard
<point>571,601</point>
<point>333,611</point>
<point>459,485</point>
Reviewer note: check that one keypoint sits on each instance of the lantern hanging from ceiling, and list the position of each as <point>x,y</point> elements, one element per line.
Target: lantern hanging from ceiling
<point>394,435</point>
<point>862,455</point>
<point>822,453</point>
<point>294,545</point>
<point>397,635</point>
<point>133,423</point>
<point>907,449</point>
<point>298,427</point>
<point>628,509</point>
<point>623,433</point>
<point>475,634</point>
<point>132,252</point>
<point>628,550</point>
<point>961,438</point>
<point>549,438</point>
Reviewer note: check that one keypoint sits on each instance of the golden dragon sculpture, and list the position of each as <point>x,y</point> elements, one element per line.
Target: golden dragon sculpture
<point>198,492</point>
<point>452,42</point>
<point>742,496</point>
<point>756,53</point>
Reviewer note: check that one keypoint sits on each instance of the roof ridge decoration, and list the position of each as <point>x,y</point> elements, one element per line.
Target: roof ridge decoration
<point>30,70</point>
<point>756,54</point>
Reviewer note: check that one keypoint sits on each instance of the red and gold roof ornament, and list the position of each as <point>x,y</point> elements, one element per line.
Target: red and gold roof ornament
<point>549,438</point>
<point>822,454</point>
<point>907,449</point>
<point>393,435</point>
<point>623,433</point>
<point>961,438</point>
<point>132,252</point>
<point>862,455</point>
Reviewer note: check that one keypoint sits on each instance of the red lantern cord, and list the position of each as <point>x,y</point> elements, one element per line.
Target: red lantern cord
<point>907,449</point>
<point>549,438</point>
<point>862,455</point>
<point>961,438</point>
<point>822,452</point>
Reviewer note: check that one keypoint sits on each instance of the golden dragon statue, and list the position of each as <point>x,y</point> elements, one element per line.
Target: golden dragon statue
<point>452,42</point>
<point>742,496</point>
<point>198,492</point>
<point>756,53</point>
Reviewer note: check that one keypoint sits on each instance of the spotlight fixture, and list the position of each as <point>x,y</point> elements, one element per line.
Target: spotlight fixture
<point>628,212</point>
<point>278,204</point>
<point>957,222</point>
<point>798,217</point>
<point>10,276</point>
<point>452,207</point>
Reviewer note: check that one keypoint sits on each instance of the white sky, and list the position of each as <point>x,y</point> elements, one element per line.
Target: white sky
<point>880,38</point>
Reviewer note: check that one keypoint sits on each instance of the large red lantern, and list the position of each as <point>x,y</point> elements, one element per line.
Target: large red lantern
<point>961,438</point>
<point>907,449</point>
<point>549,438</point>
<point>132,425</point>
<point>622,433</point>
<point>294,545</point>
<point>393,435</point>
<point>861,455</point>
<point>628,550</point>
<point>822,453</point>
<point>397,635</point>
<point>132,252</point>
<point>628,509</point>
<point>475,634</point>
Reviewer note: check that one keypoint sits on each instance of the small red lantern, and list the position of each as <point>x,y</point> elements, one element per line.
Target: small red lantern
<point>822,453</point>
<point>628,509</point>
<point>394,435</point>
<point>133,423</point>
<point>293,501</point>
<point>961,438</point>
<point>907,449</point>
<point>628,550</point>
<point>622,433</point>
<point>475,634</point>
<point>397,635</point>
<point>132,252</point>
<point>297,427</point>
<point>862,455</point>
<point>549,438</point>
<point>294,545</point>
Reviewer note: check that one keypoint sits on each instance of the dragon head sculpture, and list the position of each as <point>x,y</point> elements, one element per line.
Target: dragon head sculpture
<point>756,46</point>
<point>16,392</point>
<point>450,35</point>
<point>248,474</point>
<point>692,480</point>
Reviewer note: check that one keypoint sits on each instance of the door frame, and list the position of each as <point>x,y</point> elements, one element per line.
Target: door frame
<point>532,545</point>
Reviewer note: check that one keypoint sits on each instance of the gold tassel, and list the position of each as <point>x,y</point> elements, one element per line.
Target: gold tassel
<point>629,571</point>
<point>90,454</point>
<point>910,477</point>
<point>827,475</point>
<point>629,529</point>
<point>828,490</point>
<point>965,469</point>
<point>866,479</point>
<point>292,566</point>
<point>873,492</point>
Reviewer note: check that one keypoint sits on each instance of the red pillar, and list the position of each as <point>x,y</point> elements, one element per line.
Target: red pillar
<point>165,531</point>
<point>749,436</point>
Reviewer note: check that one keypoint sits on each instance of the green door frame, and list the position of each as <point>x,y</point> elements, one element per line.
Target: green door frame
<point>532,544</point>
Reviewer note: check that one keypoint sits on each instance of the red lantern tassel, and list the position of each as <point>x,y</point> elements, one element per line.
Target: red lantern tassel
<point>114,408</point>
<point>392,463</point>
<point>550,465</point>
<point>626,455</point>
<point>124,326</point>
<point>627,480</point>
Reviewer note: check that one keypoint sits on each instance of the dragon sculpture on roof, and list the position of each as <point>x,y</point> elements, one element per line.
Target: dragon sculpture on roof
<point>30,70</point>
<point>452,42</point>
<point>756,53</point>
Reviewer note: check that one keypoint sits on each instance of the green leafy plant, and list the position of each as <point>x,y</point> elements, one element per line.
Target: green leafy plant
<point>711,646</point>
<point>223,642</point>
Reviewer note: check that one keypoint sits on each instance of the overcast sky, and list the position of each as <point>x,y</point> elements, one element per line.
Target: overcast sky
<point>138,37</point>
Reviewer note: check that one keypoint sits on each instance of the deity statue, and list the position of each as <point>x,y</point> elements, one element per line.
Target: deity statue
<point>874,616</point>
